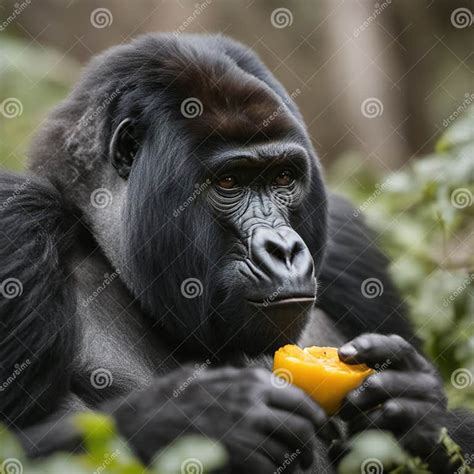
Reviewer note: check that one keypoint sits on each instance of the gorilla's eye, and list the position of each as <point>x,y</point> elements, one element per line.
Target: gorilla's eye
<point>227,182</point>
<point>285,178</point>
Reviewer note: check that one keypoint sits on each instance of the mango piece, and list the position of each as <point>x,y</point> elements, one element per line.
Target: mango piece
<point>320,373</point>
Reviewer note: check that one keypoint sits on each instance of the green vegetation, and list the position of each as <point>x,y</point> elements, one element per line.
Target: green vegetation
<point>423,217</point>
<point>107,453</point>
<point>34,79</point>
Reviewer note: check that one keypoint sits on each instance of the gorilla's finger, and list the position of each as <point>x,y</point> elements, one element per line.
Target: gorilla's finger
<point>398,415</point>
<point>292,430</point>
<point>376,349</point>
<point>383,386</point>
<point>414,424</point>
<point>294,400</point>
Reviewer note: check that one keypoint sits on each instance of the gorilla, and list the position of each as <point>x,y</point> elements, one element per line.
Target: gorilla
<point>172,231</point>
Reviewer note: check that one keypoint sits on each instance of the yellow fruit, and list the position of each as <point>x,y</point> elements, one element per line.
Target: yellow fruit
<point>320,373</point>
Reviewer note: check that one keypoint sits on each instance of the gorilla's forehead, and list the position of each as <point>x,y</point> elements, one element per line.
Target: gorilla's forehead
<point>214,95</point>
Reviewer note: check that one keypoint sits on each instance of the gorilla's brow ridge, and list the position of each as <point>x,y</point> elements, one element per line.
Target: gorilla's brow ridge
<point>261,155</point>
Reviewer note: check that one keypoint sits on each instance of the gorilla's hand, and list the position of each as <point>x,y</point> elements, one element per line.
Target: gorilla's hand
<point>259,423</point>
<point>405,396</point>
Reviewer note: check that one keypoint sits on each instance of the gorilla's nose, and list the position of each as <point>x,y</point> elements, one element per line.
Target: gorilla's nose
<point>281,253</point>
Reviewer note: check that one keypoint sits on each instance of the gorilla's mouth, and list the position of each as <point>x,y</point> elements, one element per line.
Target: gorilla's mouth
<point>274,322</point>
<point>283,301</point>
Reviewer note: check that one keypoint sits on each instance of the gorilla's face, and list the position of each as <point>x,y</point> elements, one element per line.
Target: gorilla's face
<point>217,238</point>
<point>266,272</point>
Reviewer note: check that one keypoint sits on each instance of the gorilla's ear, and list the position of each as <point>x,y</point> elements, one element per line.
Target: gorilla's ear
<point>123,147</point>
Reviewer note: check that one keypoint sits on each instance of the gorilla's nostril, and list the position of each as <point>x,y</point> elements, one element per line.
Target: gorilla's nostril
<point>296,249</point>
<point>280,253</point>
<point>276,250</point>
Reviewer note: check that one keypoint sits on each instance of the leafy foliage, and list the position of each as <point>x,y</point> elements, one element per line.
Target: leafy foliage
<point>107,453</point>
<point>423,217</point>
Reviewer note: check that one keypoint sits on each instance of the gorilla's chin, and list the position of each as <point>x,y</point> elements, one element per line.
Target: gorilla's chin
<point>263,328</point>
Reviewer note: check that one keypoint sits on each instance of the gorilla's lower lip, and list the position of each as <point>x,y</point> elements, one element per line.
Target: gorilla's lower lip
<point>283,301</point>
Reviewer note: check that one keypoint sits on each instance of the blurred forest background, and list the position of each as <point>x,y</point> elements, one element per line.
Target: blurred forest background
<point>385,88</point>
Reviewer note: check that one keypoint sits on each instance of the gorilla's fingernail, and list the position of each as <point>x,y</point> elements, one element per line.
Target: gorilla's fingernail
<point>347,351</point>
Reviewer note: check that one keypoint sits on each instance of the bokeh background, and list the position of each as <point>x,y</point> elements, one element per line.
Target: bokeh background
<point>385,88</point>
<point>332,54</point>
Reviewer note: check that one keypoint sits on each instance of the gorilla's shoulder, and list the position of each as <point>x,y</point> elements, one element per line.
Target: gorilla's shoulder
<point>356,290</point>
<point>36,302</point>
<point>37,230</point>
<point>33,217</point>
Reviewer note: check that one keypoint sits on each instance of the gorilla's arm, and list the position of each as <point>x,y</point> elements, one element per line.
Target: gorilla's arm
<point>351,262</point>
<point>259,423</point>
<point>37,304</point>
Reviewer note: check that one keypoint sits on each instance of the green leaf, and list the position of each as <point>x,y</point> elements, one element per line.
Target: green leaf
<point>97,430</point>
<point>372,451</point>
<point>9,446</point>
<point>188,453</point>
<point>461,131</point>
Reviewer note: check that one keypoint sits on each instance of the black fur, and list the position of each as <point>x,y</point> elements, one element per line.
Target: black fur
<point>140,328</point>
<point>352,257</point>
<point>38,326</point>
